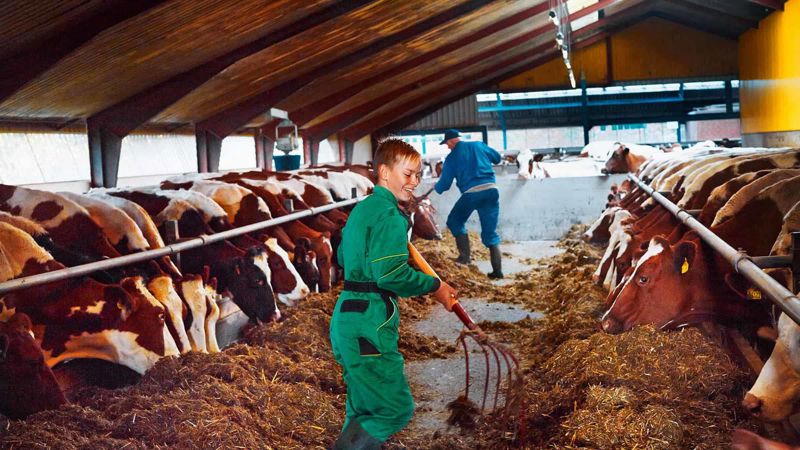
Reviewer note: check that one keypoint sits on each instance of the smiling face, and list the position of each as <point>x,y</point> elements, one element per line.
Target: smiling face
<point>402,178</point>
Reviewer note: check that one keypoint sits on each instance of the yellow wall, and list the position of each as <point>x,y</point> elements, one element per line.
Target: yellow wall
<point>651,49</point>
<point>770,72</point>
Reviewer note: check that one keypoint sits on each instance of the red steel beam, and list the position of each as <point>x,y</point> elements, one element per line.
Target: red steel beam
<point>308,112</point>
<point>130,113</point>
<point>36,58</point>
<point>330,126</point>
<point>231,119</point>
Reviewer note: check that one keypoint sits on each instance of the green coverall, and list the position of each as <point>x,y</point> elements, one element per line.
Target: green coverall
<point>364,326</point>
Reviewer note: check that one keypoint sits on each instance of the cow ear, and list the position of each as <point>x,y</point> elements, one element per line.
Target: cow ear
<point>683,256</point>
<point>742,287</point>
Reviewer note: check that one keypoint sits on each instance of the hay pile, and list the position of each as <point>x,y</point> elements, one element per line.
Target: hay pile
<point>280,388</point>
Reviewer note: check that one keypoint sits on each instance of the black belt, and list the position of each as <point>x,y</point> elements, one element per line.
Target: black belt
<point>365,287</point>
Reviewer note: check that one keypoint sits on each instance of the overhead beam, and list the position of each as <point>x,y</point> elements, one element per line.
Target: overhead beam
<point>389,122</point>
<point>33,60</point>
<point>775,5</point>
<point>591,34</point>
<point>714,13</point>
<point>305,114</point>
<point>692,23</point>
<point>231,119</point>
<point>125,116</point>
<point>332,125</point>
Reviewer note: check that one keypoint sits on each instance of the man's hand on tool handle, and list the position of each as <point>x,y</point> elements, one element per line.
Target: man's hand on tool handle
<point>446,295</point>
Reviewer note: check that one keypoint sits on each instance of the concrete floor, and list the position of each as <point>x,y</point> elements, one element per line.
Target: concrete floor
<point>436,382</point>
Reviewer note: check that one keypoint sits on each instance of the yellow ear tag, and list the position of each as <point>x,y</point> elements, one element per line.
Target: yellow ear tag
<point>685,266</point>
<point>753,294</point>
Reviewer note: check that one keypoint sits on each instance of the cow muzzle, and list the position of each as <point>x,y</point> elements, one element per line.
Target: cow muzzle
<point>752,404</point>
<point>611,326</point>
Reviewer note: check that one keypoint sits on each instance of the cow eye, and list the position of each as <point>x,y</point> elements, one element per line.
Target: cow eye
<point>643,279</point>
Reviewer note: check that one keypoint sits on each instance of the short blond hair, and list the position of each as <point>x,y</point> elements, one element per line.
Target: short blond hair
<point>392,151</point>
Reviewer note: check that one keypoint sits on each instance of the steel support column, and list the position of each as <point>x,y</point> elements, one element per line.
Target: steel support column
<point>502,119</point>
<point>209,149</point>
<point>104,152</point>
<point>265,146</point>
<point>585,110</point>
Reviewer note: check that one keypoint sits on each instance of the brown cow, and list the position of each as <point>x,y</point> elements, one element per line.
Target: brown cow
<point>680,284</point>
<point>27,384</point>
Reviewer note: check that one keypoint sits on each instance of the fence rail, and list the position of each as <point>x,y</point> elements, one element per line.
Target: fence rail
<point>784,299</point>
<point>171,249</point>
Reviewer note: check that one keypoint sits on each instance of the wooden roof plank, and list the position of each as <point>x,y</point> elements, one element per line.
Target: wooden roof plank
<point>125,116</point>
<point>228,121</point>
<point>28,63</point>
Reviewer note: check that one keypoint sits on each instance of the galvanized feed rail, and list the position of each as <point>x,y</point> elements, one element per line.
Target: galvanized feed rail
<point>171,249</point>
<point>749,267</point>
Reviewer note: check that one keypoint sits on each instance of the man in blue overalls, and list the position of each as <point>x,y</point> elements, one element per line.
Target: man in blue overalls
<point>470,164</point>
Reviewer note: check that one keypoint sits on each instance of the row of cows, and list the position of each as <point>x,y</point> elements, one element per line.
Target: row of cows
<point>134,315</point>
<point>660,272</point>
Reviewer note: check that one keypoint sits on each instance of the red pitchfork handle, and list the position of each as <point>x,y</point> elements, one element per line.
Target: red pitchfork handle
<point>455,306</point>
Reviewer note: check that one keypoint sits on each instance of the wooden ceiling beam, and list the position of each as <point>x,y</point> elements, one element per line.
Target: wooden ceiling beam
<point>127,115</point>
<point>332,125</point>
<point>231,119</point>
<point>303,115</point>
<point>33,60</point>
<point>588,35</point>
<point>775,5</point>
<point>471,84</point>
<point>701,9</point>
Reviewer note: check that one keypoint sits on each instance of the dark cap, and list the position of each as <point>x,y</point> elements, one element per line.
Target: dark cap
<point>450,134</point>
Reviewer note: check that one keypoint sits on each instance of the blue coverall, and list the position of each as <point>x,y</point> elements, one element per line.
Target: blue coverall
<point>470,164</point>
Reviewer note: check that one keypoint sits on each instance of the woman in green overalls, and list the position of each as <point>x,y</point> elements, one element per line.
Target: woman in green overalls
<point>374,255</point>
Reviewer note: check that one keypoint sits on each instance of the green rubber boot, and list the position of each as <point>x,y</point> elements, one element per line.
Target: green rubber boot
<point>353,437</point>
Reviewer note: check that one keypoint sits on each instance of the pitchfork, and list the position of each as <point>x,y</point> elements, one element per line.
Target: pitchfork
<point>513,411</point>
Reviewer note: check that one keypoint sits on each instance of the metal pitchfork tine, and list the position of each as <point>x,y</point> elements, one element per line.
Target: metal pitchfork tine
<point>513,376</point>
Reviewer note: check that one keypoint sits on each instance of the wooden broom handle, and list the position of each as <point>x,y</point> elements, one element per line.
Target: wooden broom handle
<point>426,268</point>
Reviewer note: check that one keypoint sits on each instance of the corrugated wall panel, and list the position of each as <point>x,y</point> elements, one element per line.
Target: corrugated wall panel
<point>463,113</point>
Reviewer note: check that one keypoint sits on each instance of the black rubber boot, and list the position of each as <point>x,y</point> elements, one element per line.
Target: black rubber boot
<point>496,257</point>
<point>462,242</point>
<point>354,437</point>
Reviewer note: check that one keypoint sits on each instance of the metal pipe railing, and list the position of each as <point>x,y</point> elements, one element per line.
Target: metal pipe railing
<point>776,292</point>
<point>85,269</point>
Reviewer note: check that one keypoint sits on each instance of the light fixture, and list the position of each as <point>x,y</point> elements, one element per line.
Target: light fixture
<point>572,79</point>
<point>559,39</point>
<point>554,17</point>
<point>564,52</point>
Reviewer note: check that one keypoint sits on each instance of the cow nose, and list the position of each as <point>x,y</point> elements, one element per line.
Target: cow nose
<point>752,404</point>
<point>586,237</point>
<point>437,237</point>
<point>611,326</point>
<point>275,317</point>
<point>604,171</point>
<point>305,291</point>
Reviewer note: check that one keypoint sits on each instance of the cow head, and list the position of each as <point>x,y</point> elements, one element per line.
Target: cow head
<point>305,261</point>
<point>618,161</point>
<point>423,218</point>
<point>777,389</point>
<point>247,279</point>
<point>321,246</point>
<point>599,232</point>
<point>661,290</point>
<point>286,282</point>
<point>27,384</point>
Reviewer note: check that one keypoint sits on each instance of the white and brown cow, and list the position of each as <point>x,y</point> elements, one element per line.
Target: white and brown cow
<point>83,318</point>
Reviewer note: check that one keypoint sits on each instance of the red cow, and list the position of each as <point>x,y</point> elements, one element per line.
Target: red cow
<point>27,384</point>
